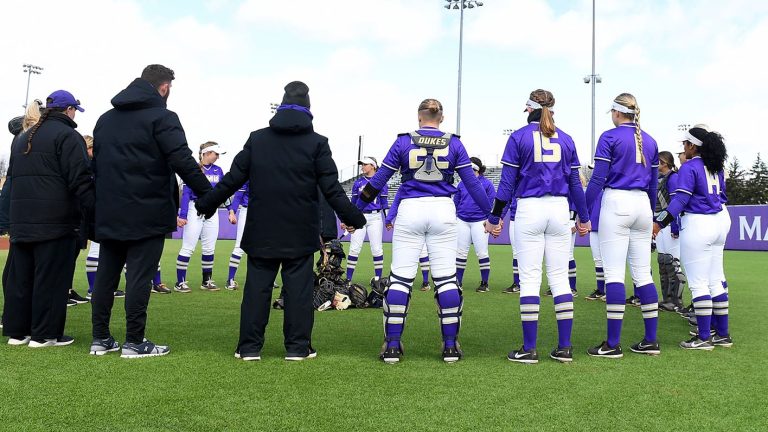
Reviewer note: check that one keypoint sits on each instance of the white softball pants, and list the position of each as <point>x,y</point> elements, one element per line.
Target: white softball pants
<point>626,225</point>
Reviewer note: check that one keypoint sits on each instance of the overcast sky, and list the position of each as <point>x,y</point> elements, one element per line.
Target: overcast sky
<point>369,63</point>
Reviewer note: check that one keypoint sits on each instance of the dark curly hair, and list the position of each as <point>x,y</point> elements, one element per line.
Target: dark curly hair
<point>713,152</point>
<point>479,163</point>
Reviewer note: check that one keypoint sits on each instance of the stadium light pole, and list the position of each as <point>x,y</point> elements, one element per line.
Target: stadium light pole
<point>593,79</point>
<point>30,69</point>
<point>461,5</point>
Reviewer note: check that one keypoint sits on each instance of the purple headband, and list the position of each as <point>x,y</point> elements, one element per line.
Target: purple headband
<point>303,109</point>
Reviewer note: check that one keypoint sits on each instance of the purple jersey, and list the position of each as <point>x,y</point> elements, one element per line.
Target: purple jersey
<point>381,201</point>
<point>240,198</point>
<point>702,187</point>
<point>544,164</point>
<point>392,213</point>
<point>407,157</point>
<point>213,173</point>
<point>466,208</point>
<point>594,214</point>
<point>617,147</point>
<point>510,208</point>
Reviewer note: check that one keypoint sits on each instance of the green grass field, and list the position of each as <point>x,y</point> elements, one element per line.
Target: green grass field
<point>200,386</point>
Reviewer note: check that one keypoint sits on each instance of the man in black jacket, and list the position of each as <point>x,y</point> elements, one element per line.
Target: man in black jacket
<point>285,163</point>
<point>52,186</point>
<point>137,147</point>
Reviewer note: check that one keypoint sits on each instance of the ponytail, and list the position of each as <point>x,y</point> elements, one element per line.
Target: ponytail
<point>544,101</point>
<point>712,150</point>
<point>639,136</point>
<point>33,130</point>
<point>547,124</point>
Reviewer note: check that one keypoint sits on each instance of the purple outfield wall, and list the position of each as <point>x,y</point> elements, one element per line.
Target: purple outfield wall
<point>749,229</point>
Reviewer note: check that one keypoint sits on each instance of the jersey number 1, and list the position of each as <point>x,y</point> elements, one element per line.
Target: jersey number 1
<point>541,143</point>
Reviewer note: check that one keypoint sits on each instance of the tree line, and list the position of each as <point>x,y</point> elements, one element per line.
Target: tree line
<point>747,186</point>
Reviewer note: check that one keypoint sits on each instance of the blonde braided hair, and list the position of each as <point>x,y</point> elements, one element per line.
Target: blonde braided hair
<point>630,102</point>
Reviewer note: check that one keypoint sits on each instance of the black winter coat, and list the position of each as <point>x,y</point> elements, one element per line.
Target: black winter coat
<point>137,147</point>
<point>285,163</point>
<point>52,184</point>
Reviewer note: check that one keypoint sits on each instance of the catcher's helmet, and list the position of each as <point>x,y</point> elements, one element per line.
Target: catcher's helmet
<point>15,125</point>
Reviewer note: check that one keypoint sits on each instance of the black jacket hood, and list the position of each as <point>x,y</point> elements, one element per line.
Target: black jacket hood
<point>291,122</point>
<point>138,95</point>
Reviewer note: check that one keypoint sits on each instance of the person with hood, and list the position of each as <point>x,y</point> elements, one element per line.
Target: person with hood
<point>285,164</point>
<point>138,148</point>
<point>52,189</point>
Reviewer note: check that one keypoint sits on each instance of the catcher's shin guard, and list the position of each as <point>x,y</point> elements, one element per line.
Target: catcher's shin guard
<point>396,298</point>
<point>449,306</point>
<point>665,261</point>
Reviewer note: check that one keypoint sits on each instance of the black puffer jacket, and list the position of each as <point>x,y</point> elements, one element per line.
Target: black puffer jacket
<point>52,183</point>
<point>286,163</point>
<point>137,147</point>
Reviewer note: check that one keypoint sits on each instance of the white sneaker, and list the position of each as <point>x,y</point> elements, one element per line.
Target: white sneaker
<point>61,341</point>
<point>17,342</point>
<point>182,287</point>
<point>231,285</point>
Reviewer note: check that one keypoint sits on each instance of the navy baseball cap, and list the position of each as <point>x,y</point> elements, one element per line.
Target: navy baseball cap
<point>63,99</point>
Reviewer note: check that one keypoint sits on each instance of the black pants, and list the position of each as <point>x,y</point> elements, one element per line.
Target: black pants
<point>298,279</point>
<point>140,258</point>
<point>36,287</point>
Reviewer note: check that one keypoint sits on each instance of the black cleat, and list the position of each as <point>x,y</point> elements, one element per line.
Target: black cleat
<point>564,355</point>
<point>523,356</point>
<point>77,298</point>
<point>574,293</point>
<point>452,354</point>
<point>392,355</point>
<point>483,288</point>
<point>645,347</point>
<point>633,301</point>
<point>596,295</point>
<point>603,350</point>
<point>513,289</point>
<point>722,341</point>
<point>426,286</point>
<point>548,293</point>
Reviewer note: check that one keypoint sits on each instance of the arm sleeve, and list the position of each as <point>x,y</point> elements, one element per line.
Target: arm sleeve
<point>504,193</point>
<point>238,174</point>
<point>457,196</point>
<point>355,197</point>
<point>173,144</point>
<point>678,204</point>
<point>392,214</point>
<point>597,182</point>
<point>384,197</point>
<point>474,188</point>
<point>236,200</point>
<point>185,198</point>
<point>576,194</point>
<point>510,166</point>
<point>653,187</point>
<point>328,180</point>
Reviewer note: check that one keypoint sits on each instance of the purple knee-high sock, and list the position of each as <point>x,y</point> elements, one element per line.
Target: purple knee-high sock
<point>649,304</point>
<point>614,304</point>
<point>600,276</point>
<point>449,303</point>
<point>378,265</point>
<point>515,273</point>
<point>424,263</point>
<point>395,309</point>
<point>461,265</point>
<point>703,307</point>
<point>182,263</point>
<point>572,274</point>
<point>351,264</point>
<point>485,269</point>
<point>529,317</point>
<point>564,315</point>
<point>720,314</point>
<point>157,280</point>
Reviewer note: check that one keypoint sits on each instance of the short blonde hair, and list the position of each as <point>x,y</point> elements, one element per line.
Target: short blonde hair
<point>31,115</point>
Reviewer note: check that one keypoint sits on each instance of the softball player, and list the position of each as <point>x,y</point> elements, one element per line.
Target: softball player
<point>375,225</point>
<point>571,258</point>
<point>511,208</point>
<point>427,159</point>
<point>238,211</point>
<point>423,257</point>
<point>197,227</point>
<point>542,168</point>
<point>704,228</point>
<point>471,227</point>
<point>626,166</point>
<point>594,245</point>
<point>668,242</point>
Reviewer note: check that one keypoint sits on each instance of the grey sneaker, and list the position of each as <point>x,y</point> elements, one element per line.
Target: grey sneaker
<point>99,347</point>
<point>298,357</point>
<point>695,343</point>
<point>182,287</point>
<point>209,285</point>
<point>722,341</point>
<point>247,356</point>
<point>144,349</point>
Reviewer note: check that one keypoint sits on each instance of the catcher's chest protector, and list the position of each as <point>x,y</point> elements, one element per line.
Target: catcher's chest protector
<point>428,172</point>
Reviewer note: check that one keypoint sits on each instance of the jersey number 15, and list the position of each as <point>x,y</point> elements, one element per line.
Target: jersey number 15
<point>541,143</point>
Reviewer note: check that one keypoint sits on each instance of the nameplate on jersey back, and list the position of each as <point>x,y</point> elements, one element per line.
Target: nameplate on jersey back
<point>427,141</point>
